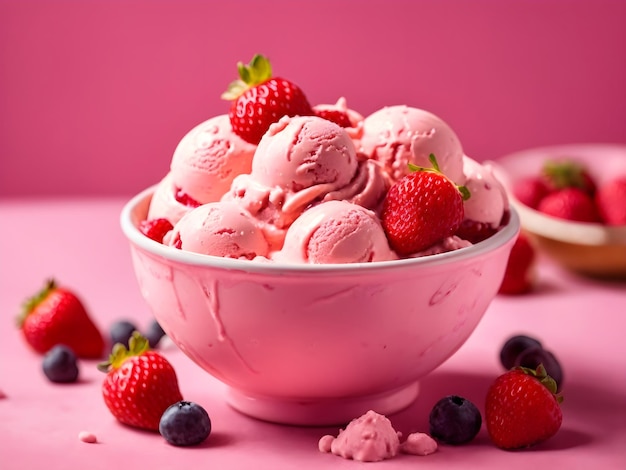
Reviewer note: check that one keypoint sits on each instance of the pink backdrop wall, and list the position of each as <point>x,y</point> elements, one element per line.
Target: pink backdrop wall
<point>95,94</point>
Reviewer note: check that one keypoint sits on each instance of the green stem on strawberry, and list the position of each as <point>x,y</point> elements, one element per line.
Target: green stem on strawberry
<point>259,70</point>
<point>565,174</point>
<point>31,303</point>
<point>541,374</point>
<point>137,345</point>
<point>465,193</point>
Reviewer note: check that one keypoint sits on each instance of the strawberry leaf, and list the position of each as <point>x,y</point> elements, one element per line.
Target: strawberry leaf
<point>565,173</point>
<point>465,193</point>
<point>433,161</point>
<point>31,303</point>
<point>137,345</point>
<point>542,376</point>
<point>259,70</point>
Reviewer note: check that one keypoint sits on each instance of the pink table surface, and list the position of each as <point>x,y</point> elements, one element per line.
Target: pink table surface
<point>80,243</point>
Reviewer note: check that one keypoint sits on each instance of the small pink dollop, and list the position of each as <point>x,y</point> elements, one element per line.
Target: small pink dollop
<point>88,437</point>
<point>369,438</point>
<point>419,443</point>
<point>325,443</point>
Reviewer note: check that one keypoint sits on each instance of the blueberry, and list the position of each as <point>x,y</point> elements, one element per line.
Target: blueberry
<point>60,364</point>
<point>454,420</point>
<point>154,333</point>
<point>185,424</point>
<point>532,357</point>
<point>121,331</point>
<point>513,347</point>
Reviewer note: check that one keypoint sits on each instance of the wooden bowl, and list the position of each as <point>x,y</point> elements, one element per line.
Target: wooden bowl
<point>590,249</point>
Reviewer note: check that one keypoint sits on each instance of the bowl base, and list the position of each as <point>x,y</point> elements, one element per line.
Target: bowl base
<point>322,412</point>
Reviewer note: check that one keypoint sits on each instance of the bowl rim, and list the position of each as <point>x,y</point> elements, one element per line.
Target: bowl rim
<point>136,238</point>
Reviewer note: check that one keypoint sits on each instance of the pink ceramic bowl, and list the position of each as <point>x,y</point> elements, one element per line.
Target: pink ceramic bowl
<point>314,345</point>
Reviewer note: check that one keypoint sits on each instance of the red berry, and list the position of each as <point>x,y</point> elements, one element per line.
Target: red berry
<point>421,209</point>
<point>259,100</point>
<point>334,115</point>
<point>185,199</point>
<point>519,273</point>
<point>568,173</point>
<point>140,384</point>
<point>611,201</point>
<point>530,191</point>
<point>522,408</point>
<point>155,228</point>
<point>474,231</point>
<point>571,204</point>
<point>54,316</point>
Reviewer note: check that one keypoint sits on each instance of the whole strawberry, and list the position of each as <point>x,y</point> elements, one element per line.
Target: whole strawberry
<point>522,408</point>
<point>421,209</point>
<point>531,190</point>
<point>140,384</point>
<point>259,100</point>
<point>567,173</point>
<point>611,201</point>
<point>570,204</point>
<point>519,276</point>
<point>54,316</point>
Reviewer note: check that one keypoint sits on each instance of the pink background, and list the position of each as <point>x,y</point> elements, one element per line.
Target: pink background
<point>95,94</point>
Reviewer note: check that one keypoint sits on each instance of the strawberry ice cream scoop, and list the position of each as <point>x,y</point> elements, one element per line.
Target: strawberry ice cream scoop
<point>399,135</point>
<point>488,200</point>
<point>164,203</point>
<point>219,229</point>
<point>303,152</point>
<point>335,232</point>
<point>208,158</point>
<point>298,161</point>
<point>369,438</point>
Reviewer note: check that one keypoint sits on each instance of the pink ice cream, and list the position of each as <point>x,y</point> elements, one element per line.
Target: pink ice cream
<point>488,199</point>
<point>447,244</point>
<point>165,204</point>
<point>419,443</point>
<point>370,438</point>
<point>208,158</point>
<point>297,162</point>
<point>368,187</point>
<point>305,152</point>
<point>399,135</point>
<point>219,229</point>
<point>335,232</point>
<point>293,196</point>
